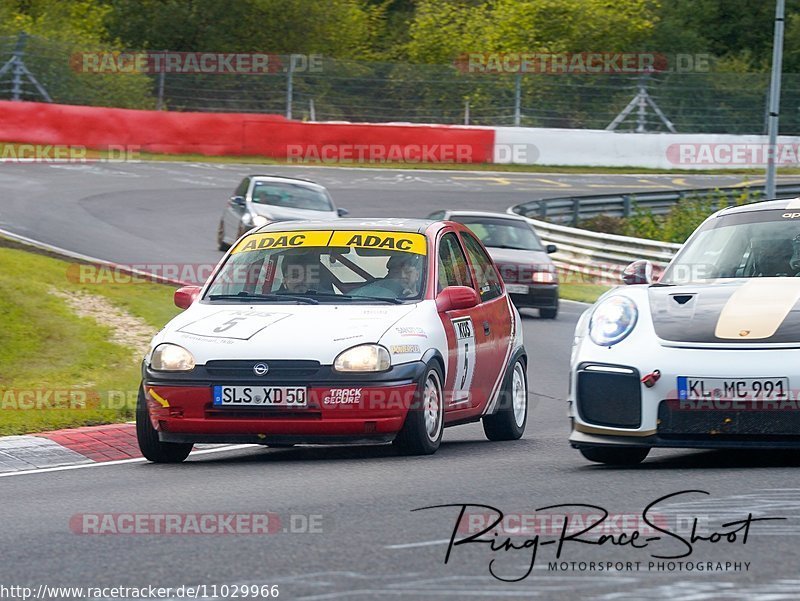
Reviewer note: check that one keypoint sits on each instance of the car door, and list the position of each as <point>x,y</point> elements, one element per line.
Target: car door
<point>465,380</point>
<point>234,210</point>
<point>494,315</point>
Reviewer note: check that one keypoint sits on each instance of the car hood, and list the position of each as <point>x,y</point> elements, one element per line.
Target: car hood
<point>514,256</point>
<point>241,331</point>
<point>728,311</point>
<point>286,213</point>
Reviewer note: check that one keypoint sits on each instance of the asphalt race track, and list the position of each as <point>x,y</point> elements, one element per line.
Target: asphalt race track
<point>367,543</point>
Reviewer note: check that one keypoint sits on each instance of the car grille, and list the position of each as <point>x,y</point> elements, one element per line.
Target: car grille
<point>609,398</point>
<point>279,369</point>
<point>673,420</point>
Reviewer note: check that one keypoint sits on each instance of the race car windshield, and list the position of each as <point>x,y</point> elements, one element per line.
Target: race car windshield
<point>291,196</point>
<point>327,266</point>
<point>740,245</point>
<point>502,233</point>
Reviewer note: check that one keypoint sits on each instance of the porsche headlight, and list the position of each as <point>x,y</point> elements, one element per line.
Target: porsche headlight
<point>171,357</point>
<point>366,357</point>
<point>612,320</point>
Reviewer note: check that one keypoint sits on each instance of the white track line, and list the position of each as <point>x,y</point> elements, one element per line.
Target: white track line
<point>427,543</point>
<point>65,468</point>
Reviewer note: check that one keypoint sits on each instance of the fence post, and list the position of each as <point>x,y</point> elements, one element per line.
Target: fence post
<point>576,209</point>
<point>312,112</point>
<point>289,86</point>
<point>161,78</point>
<point>626,205</point>
<point>466,112</point>
<point>543,209</point>
<point>17,70</point>
<point>517,99</point>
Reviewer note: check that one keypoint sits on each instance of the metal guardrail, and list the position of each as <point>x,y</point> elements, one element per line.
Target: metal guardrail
<point>573,209</point>
<point>587,256</point>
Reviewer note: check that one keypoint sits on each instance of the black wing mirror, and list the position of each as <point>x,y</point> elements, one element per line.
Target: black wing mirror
<point>551,248</point>
<point>237,201</point>
<point>342,212</point>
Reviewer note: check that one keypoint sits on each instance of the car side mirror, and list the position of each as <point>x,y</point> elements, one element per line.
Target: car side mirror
<point>342,212</point>
<point>551,248</point>
<point>184,297</point>
<point>638,272</point>
<point>237,201</point>
<point>454,298</point>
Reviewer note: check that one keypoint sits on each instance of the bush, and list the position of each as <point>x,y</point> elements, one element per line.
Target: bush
<point>605,224</point>
<point>674,226</point>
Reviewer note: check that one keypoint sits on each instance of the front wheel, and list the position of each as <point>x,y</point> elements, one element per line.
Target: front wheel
<point>421,433</point>
<point>615,455</point>
<point>151,447</point>
<point>548,312</point>
<point>509,422</point>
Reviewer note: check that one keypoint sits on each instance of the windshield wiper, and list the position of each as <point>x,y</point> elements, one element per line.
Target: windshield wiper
<point>263,297</point>
<point>394,301</point>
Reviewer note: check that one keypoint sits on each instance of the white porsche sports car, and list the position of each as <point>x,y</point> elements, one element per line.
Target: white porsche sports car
<point>707,357</point>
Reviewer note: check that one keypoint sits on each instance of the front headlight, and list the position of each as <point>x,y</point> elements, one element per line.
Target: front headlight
<point>366,357</point>
<point>171,357</point>
<point>612,320</point>
<point>253,220</point>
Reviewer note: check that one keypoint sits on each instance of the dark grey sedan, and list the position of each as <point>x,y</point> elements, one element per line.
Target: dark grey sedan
<point>528,272</point>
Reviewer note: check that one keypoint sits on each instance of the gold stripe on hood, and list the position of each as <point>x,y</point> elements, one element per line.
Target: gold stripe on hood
<point>758,308</point>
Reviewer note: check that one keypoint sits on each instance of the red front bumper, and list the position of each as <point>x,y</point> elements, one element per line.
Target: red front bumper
<point>187,414</point>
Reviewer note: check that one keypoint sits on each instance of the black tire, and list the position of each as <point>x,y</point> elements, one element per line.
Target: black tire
<point>153,449</point>
<point>615,455</point>
<point>221,237</point>
<point>549,313</point>
<point>421,433</point>
<point>504,424</point>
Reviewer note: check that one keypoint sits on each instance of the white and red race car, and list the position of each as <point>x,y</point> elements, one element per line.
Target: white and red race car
<point>338,331</point>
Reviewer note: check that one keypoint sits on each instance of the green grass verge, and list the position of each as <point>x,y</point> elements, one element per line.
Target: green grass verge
<point>48,350</point>
<point>585,293</point>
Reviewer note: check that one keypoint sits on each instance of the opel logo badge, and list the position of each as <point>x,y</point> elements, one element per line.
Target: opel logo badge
<point>260,369</point>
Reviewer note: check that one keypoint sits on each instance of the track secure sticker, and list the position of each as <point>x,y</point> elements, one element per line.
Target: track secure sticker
<point>398,241</point>
<point>342,396</point>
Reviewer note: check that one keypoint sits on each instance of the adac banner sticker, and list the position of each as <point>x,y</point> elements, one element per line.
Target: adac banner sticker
<point>398,241</point>
<point>389,241</point>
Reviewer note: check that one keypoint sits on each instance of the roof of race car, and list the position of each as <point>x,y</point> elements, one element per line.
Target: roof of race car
<point>764,205</point>
<point>491,214</point>
<point>393,225</point>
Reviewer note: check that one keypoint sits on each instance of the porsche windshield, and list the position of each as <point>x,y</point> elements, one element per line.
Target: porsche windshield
<point>740,245</point>
<point>323,266</point>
